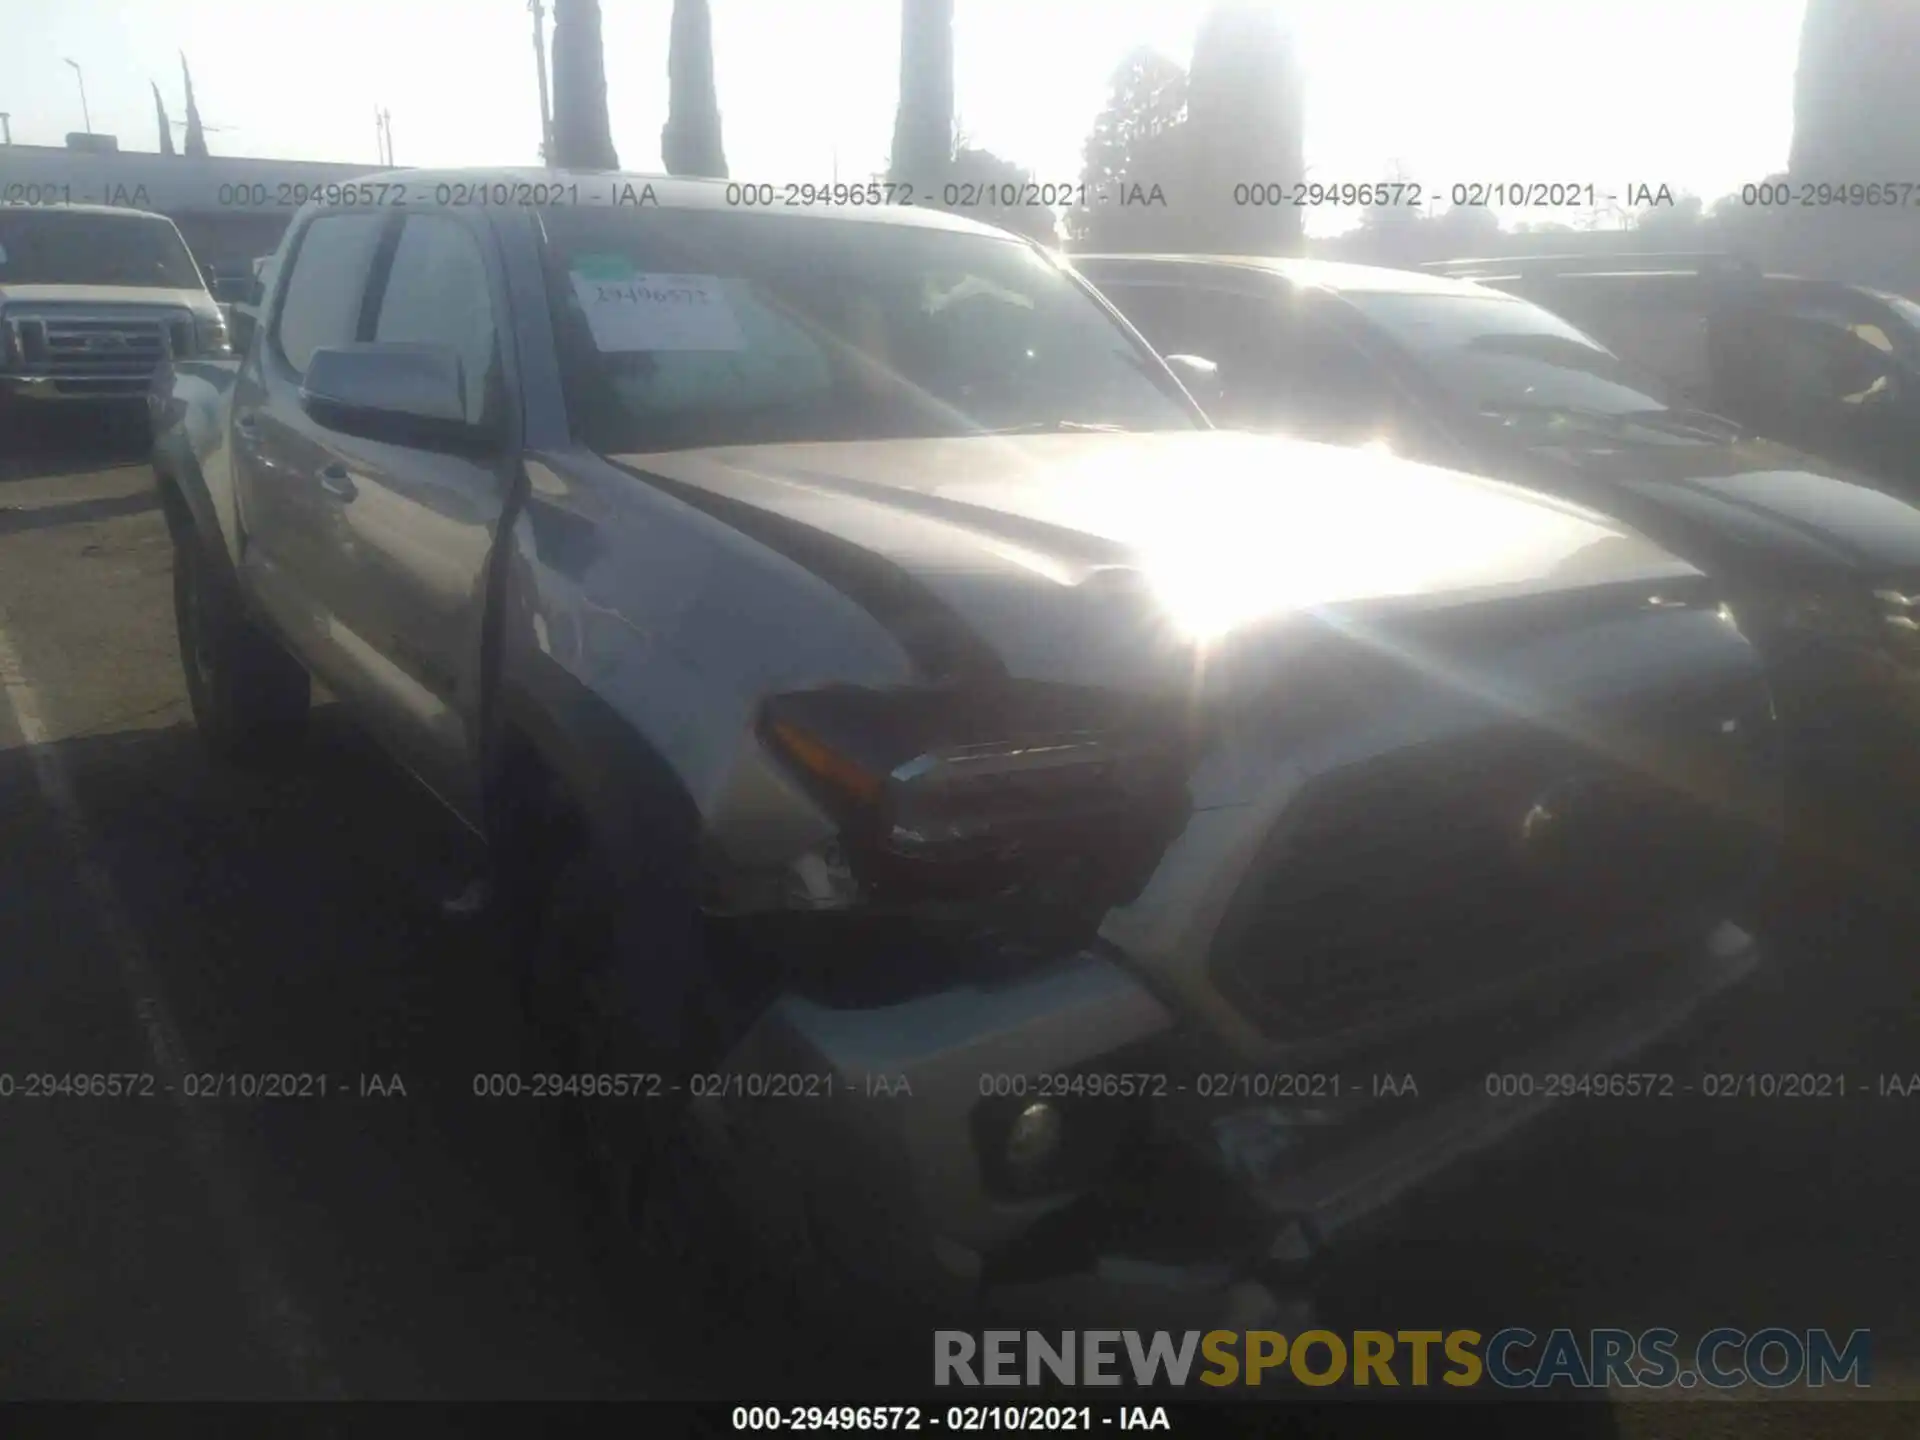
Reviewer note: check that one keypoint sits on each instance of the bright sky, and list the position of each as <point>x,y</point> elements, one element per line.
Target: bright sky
<point>1695,94</point>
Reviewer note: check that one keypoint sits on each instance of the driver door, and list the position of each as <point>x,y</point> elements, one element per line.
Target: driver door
<point>410,530</point>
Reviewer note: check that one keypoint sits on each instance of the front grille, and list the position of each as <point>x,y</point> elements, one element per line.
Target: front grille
<point>1407,882</point>
<point>88,349</point>
<point>85,352</point>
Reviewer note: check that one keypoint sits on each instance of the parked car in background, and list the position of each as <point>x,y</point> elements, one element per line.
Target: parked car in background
<point>874,679</point>
<point>92,299</point>
<point>1833,369</point>
<point>1823,566</point>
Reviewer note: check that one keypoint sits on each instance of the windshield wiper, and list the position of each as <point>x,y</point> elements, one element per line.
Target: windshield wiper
<point>1056,427</point>
<point>1695,424</point>
<point>1682,421</point>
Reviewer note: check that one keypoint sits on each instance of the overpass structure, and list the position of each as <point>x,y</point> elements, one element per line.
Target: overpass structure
<point>229,208</point>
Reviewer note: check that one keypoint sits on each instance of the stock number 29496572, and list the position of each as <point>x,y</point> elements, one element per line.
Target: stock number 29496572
<point>1077,1085</point>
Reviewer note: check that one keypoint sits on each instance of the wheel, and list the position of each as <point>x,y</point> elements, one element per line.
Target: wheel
<point>250,698</point>
<point>636,1159</point>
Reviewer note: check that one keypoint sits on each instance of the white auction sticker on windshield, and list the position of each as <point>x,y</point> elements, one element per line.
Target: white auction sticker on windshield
<point>658,312</point>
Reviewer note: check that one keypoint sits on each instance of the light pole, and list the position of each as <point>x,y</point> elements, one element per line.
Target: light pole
<point>84,116</point>
<point>539,13</point>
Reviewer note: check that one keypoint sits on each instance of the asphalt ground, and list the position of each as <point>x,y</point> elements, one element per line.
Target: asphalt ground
<point>400,1238</point>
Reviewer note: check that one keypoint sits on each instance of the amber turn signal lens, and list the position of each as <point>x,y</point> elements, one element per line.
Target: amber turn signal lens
<point>824,763</point>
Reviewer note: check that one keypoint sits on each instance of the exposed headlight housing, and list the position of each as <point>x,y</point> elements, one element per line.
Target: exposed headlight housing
<point>978,793</point>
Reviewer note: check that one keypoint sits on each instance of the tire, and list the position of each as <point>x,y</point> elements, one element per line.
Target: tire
<point>250,698</point>
<point>651,1205</point>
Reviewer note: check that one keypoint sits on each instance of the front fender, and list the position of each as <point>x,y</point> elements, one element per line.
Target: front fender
<point>192,462</point>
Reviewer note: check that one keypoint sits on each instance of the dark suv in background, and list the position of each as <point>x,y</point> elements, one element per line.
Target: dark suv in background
<point>1824,566</point>
<point>1828,367</point>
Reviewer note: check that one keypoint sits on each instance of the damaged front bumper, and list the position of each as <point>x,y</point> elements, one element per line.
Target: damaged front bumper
<point>1048,1149</point>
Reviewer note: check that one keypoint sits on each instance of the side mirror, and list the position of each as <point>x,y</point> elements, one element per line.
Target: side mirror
<point>403,394</point>
<point>1201,376</point>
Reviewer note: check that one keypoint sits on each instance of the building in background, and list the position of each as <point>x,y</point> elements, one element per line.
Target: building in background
<point>230,208</point>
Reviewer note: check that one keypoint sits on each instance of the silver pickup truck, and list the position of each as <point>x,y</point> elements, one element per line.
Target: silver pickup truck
<point>1020,847</point>
<point>92,299</point>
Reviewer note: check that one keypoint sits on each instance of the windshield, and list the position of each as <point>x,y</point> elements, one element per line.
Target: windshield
<point>54,247</point>
<point>685,328</point>
<point>1508,357</point>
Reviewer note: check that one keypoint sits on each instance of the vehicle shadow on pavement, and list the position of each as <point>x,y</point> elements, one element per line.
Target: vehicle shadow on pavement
<point>70,440</point>
<point>292,919</point>
<point>13,519</point>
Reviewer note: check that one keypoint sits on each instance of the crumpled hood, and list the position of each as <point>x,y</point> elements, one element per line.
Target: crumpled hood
<point>1224,528</point>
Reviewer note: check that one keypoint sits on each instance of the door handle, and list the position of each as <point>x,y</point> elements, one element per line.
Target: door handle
<point>337,483</point>
<point>243,422</point>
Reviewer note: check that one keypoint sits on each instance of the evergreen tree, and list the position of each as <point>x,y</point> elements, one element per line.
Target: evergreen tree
<point>582,139</point>
<point>690,142</point>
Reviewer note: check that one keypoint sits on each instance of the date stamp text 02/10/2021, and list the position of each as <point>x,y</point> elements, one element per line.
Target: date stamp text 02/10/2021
<point>1224,1087</point>
<point>35,1085</point>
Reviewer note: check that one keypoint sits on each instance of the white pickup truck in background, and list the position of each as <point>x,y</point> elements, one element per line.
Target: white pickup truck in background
<point>93,299</point>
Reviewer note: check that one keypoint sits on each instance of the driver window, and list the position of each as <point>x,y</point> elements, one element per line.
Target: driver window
<point>437,293</point>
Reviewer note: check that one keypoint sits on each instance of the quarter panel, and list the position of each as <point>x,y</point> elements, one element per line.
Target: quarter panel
<point>679,627</point>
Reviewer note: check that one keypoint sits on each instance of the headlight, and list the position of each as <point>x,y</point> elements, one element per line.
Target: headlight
<point>210,336</point>
<point>975,792</point>
<point>1033,1140</point>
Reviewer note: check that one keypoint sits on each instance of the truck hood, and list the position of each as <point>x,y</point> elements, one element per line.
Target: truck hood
<point>1219,529</point>
<point>198,300</point>
<point>1755,506</point>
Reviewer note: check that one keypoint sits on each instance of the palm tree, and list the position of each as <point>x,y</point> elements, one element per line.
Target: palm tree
<point>166,125</point>
<point>195,142</point>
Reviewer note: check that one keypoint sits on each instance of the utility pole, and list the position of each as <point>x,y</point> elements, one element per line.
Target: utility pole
<point>386,126</point>
<point>6,128</point>
<point>539,13</point>
<point>85,118</point>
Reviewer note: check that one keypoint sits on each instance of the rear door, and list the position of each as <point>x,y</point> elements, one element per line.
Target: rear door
<point>408,532</point>
<point>279,453</point>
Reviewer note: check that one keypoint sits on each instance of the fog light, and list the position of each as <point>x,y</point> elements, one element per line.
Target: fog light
<point>1034,1137</point>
